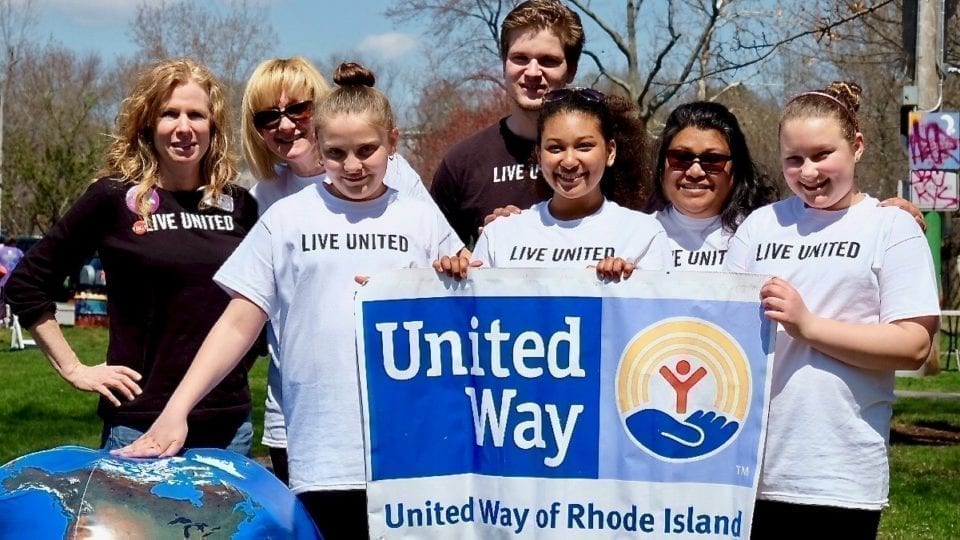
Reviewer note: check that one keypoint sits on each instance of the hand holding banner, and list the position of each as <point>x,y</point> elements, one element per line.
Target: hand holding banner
<point>546,404</point>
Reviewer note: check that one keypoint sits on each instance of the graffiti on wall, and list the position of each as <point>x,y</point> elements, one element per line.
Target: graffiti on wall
<point>934,190</point>
<point>933,142</point>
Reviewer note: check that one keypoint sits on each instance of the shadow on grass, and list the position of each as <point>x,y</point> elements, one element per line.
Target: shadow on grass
<point>31,427</point>
<point>925,433</point>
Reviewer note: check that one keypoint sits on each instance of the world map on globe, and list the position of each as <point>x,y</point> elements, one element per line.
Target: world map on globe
<point>74,492</point>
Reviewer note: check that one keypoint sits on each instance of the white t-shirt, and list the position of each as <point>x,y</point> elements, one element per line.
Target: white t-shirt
<point>695,243</point>
<point>829,421</point>
<point>400,176</point>
<point>298,265</point>
<point>535,239</point>
<point>266,193</point>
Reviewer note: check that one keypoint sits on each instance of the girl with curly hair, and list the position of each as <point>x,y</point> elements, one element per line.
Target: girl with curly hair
<point>589,148</point>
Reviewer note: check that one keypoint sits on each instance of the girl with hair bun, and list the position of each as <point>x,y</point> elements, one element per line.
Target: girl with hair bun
<point>280,146</point>
<point>298,267</point>
<point>856,299</point>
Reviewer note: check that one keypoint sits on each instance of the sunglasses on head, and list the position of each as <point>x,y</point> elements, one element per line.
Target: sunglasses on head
<point>270,118</point>
<point>711,163</point>
<point>587,94</point>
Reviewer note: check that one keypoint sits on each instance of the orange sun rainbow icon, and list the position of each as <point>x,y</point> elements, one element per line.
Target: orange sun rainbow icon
<point>683,389</point>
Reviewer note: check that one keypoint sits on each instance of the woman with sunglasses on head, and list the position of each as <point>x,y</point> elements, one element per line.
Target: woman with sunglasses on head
<point>705,184</point>
<point>589,149</point>
<point>163,216</point>
<point>855,298</point>
<point>280,146</point>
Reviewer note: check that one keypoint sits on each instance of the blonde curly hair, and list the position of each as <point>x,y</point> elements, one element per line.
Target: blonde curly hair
<point>132,158</point>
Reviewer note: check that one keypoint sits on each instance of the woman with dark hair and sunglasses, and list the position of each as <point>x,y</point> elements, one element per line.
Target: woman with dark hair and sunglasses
<point>163,215</point>
<point>589,149</point>
<point>705,184</point>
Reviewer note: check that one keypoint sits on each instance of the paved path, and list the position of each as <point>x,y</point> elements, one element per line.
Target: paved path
<point>927,394</point>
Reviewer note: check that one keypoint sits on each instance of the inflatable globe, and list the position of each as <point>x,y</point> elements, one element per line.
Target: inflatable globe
<point>74,492</point>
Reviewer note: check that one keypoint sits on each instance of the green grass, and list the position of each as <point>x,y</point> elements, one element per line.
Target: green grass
<point>923,493</point>
<point>38,410</point>
<point>945,381</point>
<point>924,478</point>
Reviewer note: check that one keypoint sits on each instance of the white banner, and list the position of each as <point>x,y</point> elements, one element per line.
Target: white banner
<point>546,404</point>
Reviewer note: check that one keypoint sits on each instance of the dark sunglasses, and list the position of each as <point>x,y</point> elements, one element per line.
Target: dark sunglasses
<point>681,160</point>
<point>560,94</point>
<point>270,118</point>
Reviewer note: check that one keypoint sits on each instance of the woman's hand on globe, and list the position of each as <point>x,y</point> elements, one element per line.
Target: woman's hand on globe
<point>164,439</point>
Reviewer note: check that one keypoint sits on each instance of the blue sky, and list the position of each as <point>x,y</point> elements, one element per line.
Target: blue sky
<point>320,30</point>
<point>313,28</point>
<point>325,30</point>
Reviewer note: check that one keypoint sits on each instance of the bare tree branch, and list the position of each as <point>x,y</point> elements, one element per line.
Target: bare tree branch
<point>725,89</point>
<point>641,98</point>
<point>821,31</point>
<point>615,36</point>
<point>696,48</point>
<point>604,72</point>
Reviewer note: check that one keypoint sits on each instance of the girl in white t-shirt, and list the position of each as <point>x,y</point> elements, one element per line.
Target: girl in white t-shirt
<point>856,299</point>
<point>280,146</point>
<point>279,139</point>
<point>297,267</point>
<point>588,149</point>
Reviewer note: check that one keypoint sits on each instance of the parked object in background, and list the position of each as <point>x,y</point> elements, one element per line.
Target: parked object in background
<point>16,336</point>
<point>25,242</point>
<point>90,298</point>
<point>90,310</point>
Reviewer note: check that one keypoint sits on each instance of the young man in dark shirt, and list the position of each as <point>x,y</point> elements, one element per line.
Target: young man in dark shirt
<point>540,45</point>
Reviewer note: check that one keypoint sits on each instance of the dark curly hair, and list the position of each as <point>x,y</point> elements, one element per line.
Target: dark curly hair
<point>626,181</point>
<point>751,188</point>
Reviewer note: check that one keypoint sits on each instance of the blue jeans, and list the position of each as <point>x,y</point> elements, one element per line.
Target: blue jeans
<point>118,436</point>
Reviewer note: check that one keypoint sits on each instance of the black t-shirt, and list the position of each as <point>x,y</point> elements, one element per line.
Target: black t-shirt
<point>488,170</point>
<point>161,299</point>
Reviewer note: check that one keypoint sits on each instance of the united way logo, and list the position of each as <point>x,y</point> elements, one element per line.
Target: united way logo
<point>683,389</point>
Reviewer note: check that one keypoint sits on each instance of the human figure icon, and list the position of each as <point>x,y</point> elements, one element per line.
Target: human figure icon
<point>682,387</point>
